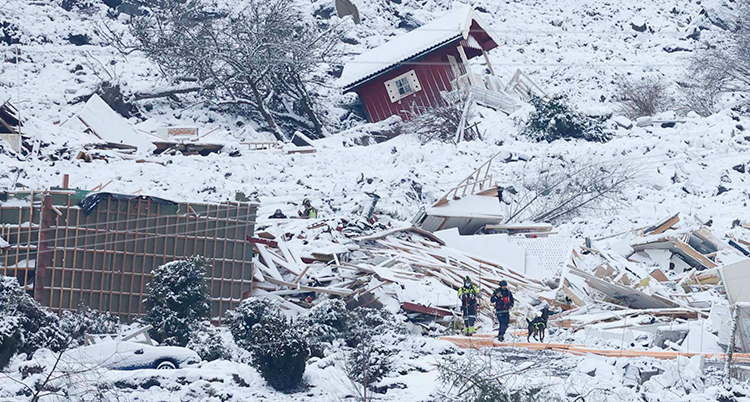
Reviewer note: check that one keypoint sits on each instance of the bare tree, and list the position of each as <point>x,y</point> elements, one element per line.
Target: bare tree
<point>644,97</point>
<point>563,192</point>
<point>725,69</point>
<point>242,57</point>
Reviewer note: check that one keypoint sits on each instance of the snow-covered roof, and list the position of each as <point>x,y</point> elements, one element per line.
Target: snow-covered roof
<point>106,124</point>
<point>452,26</point>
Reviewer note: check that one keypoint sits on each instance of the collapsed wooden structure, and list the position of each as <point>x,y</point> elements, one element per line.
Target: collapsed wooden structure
<point>72,247</point>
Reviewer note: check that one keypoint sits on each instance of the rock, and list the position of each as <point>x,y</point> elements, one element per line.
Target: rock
<point>673,49</point>
<point>669,124</point>
<point>693,33</point>
<point>644,121</point>
<point>638,24</point>
<point>325,11</point>
<point>623,122</point>
<point>79,40</point>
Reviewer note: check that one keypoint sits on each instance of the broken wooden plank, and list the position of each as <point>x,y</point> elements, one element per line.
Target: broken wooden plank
<point>419,308</point>
<point>268,265</point>
<point>663,225</point>
<point>316,289</point>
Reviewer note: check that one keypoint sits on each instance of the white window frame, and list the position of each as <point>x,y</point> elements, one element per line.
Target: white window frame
<point>392,88</point>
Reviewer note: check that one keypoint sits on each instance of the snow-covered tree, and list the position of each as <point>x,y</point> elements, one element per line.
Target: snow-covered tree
<point>25,325</point>
<point>177,300</point>
<point>259,57</point>
<point>278,348</point>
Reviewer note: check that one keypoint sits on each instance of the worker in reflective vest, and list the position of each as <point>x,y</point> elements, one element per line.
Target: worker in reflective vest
<point>503,300</point>
<point>469,295</point>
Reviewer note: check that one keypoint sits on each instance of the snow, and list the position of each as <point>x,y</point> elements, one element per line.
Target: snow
<point>451,26</point>
<point>107,125</point>
<point>4,243</point>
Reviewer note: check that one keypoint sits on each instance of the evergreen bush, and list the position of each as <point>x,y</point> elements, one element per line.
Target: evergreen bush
<point>324,323</point>
<point>555,119</point>
<point>279,350</point>
<point>177,301</point>
<point>25,325</point>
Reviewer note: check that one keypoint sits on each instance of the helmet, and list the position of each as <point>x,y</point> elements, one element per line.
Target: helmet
<point>503,283</point>
<point>278,211</point>
<point>467,281</point>
<point>306,201</point>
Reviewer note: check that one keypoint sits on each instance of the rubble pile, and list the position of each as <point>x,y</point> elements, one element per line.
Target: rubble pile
<point>658,290</point>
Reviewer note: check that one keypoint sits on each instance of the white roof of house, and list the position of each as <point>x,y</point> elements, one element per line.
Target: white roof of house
<point>453,25</point>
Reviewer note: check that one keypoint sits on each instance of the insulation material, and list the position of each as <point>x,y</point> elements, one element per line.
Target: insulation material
<point>545,256</point>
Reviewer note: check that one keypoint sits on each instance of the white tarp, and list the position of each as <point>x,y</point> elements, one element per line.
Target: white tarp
<point>106,124</point>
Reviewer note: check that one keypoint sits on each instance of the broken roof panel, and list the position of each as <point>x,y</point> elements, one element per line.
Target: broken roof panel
<point>107,124</point>
<point>454,25</point>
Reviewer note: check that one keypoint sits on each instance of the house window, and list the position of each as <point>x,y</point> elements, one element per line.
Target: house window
<point>402,86</point>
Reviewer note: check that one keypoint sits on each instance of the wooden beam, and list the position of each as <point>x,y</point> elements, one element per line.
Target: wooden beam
<point>418,308</point>
<point>489,65</point>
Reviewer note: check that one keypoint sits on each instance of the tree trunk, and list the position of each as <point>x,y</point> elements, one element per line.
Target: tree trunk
<point>267,116</point>
<point>307,105</point>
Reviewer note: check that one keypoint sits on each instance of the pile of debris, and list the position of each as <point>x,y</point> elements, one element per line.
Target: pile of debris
<point>657,289</point>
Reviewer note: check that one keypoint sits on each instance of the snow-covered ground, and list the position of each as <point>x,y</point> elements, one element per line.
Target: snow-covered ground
<point>576,48</point>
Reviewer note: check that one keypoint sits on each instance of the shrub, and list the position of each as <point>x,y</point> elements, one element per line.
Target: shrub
<point>369,362</point>
<point>76,324</point>
<point>25,325</point>
<point>366,322</point>
<point>177,301</point>
<point>207,342</point>
<point>279,350</point>
<point>324,323</point>
<point>642,98</point>
<point>555,119</point>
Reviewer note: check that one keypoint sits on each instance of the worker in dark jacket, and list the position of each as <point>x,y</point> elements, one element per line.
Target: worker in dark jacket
<point>277,215</point>
<point>309,212</point>
<point>503,301</point>
<point>468,295</point>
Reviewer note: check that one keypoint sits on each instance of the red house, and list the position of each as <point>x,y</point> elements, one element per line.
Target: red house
<point>408,74</point>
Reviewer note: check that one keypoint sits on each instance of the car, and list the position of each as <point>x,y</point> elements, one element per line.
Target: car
<point>130,356</point>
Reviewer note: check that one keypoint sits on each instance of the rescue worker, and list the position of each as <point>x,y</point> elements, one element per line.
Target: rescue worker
<point>502,298</point>
<point>277,215</point>
<point>468,295</point>
<point>309,212</point>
